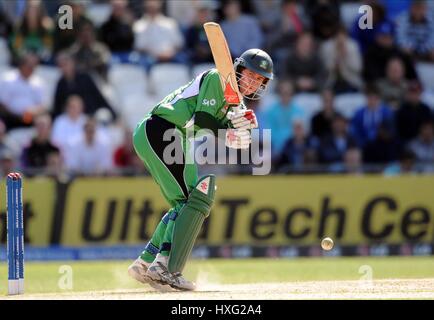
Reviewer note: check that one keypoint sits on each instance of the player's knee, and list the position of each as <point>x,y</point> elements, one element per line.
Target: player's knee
<point>202,196</point>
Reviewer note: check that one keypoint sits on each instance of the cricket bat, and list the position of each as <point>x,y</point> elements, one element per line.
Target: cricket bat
<point>223,62</point>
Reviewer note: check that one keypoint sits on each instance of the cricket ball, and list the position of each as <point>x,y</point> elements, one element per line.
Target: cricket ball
<point>327,244</point>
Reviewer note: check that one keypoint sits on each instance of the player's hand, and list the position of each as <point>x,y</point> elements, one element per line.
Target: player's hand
<point>244,120</point>
<point>238,138</point>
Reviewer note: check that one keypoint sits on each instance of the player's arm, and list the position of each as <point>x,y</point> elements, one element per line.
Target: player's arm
<point>204,120</point>
<point>211,113</point>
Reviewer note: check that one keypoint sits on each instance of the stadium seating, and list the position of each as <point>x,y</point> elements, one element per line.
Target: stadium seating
<point>98,13</point>
<point>7,72</point>
<point>348,103</point>
<point>428,98</point>
<point>48,77</point>
<point>425,72</point>
<point>310,102</point>
<point>116,135</point>
<point>126,80</point>
<point>20,137</point>
<point>134,108</point>
<point>127,77</point>
<point>4,71</point>
<point>4,53</point>
<point>199,68</point>
<point>167,77</point>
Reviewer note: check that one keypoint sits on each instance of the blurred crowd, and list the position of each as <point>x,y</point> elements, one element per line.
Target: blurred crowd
<point>348,97</point>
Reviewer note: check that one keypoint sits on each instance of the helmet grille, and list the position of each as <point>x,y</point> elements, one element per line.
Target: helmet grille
<point>261,87</point>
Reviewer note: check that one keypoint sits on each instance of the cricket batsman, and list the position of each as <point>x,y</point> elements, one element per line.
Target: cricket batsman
<point>200,104</point>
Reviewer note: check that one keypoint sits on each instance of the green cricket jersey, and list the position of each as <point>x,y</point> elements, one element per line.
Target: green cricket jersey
<point>200,103</point>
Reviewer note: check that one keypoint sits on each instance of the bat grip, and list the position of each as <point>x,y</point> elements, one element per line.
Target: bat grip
<point>238,108</point>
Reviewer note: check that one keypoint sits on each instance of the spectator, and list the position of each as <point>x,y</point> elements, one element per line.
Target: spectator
<point>196,40</point>
<point>395,8</point>
<point>411,113</point>
<point>21,96</point>
<point>65,38</point>
<point>137,8</point>
<point>34,33</point>
<point>125,158</point>
<point>381,51</point>
<point>394,86</point>
<point>157,37</point>
<point>332,147</point>
<point>383,149</point>
<point>325,17</point>
<point>321,122</point>
<point>280,116</point>
<point>35,156</point>
<point>70,123</point>
<point>368,119</point>
<point>343,62</point>
<point>88,154</point>
<point>269,14</point>
<point>52,7</point>
<point>405,165</point>
<point>304,65</point>
<point>415,32</point>
<point>292,23</point>
<point>423,145</point>
<point>117,32</point>
<point>184,11</point>
<point>5,146</point>
<point>353,161</point>
<point>14,10</point>
<point>74,82</point>
<point>365,37</point>
<point>296,149</point>
<point>242,31</point>
<point>90,55</point>
<point>6,26</point>
<point>55,166</point>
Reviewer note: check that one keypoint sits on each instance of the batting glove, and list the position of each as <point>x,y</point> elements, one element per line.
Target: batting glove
<point>244,120</point>
<point>238,138</point>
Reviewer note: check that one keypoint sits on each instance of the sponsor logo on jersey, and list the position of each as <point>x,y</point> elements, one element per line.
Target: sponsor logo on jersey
<point>210,102</point>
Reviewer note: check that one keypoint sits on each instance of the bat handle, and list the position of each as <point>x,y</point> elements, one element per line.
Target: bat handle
<point>239,108</point>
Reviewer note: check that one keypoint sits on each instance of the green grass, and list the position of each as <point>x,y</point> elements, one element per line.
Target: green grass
<point>110,275</point>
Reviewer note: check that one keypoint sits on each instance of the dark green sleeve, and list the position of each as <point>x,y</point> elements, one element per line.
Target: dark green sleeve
<point>203,120</point>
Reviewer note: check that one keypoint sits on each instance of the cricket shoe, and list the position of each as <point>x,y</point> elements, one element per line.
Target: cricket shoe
<point>137,270</point>
<point>158,271</point>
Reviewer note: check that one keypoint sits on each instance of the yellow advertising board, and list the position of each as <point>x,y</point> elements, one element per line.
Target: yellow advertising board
<point>274,210</point>
<point>39,195</point>
<point>111,211</point>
